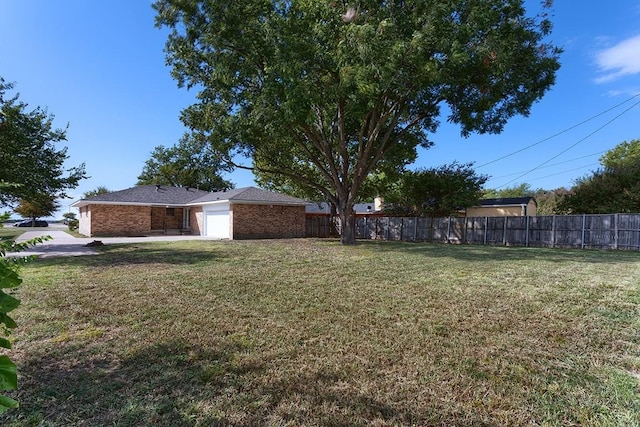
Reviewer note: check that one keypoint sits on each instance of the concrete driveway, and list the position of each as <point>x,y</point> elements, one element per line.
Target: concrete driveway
<point>64,244</point>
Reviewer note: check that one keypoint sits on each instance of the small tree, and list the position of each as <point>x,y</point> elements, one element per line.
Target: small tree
<point>436,192</point>
<point>549,201</point>
<point>99,190</point>
<point>4,217</point>
<point>37,207</point>
<point>71,220</point>
<point>29,157</point>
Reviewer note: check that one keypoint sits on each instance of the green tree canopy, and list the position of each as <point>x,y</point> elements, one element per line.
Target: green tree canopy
<point>28,154</point>
<point>436,192</point>
<point>605,191</point>
<point>190,163</point>
<point>615,188</point>
<point>36,207</point>
<point>550,201</point>
<point>101,189</point>
<point>323,93</point>
<point>623,154</point>
<point>520,190</point>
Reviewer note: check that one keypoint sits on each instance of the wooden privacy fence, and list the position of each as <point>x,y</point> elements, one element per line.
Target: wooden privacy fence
<point>611,231</point>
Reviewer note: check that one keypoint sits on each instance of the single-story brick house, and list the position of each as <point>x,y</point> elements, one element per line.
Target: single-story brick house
<point>509,206</point>
<point>242,213</point>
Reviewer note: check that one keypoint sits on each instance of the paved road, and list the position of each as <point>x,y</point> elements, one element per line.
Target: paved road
<point>64,244</point>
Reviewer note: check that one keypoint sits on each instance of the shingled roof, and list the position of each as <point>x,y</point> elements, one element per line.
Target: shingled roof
<point>250,195</point>
<point>163,195</point>
<point>148,195</point>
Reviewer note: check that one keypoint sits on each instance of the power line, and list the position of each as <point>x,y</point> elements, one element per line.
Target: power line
<point>555,164</point>
<point>560,173</point>
<point>561,132</point>
<point>573,145</point>
<point>563,172</point>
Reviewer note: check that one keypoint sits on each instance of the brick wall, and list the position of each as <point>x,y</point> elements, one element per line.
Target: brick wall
<point>196,220</point>
<point>161,218</point>
<point>116,220</point>
<point>267,222</point>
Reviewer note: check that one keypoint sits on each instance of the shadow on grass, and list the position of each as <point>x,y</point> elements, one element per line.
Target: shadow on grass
<point>146,253</point>
<point>155,385</point>
<point>502,253</point>
<point>176,383</point>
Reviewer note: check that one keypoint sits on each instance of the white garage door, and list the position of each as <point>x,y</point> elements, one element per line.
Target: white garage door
<point>218,224</point>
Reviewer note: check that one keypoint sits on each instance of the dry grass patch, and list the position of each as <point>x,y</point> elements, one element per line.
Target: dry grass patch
<point>307,332</point>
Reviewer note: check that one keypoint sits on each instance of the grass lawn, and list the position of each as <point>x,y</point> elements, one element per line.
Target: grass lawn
<point>307,332</point>
<point>11,233</point>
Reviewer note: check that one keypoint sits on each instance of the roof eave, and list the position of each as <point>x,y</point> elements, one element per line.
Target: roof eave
<point>81,203</point>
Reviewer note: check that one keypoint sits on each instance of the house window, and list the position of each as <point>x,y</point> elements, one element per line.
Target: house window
<point>170,212</point>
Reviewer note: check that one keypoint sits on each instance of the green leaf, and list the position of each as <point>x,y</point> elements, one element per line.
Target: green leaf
<point>8,321</point>
<point>8,276</point>
<point>7,403</point>
<point>8,374</point>
<point>7,302</point>
<point>5,343</point>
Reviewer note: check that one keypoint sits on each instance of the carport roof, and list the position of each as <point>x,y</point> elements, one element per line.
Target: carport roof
<point>162,195</point>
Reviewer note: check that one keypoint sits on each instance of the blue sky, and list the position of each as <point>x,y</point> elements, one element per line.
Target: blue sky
<point>99,66</point>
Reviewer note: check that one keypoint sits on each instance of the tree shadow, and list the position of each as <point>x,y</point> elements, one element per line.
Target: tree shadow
<point>176,383</point>
<point>476,253</point>
<point>140,253</point>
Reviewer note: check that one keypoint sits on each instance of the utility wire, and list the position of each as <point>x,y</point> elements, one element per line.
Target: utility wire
<point>572,145</point>
<point>560,173</point>
<point>544,167</point>
<point>560,133</point>
<point>555,164</point>
<point>563,172</point>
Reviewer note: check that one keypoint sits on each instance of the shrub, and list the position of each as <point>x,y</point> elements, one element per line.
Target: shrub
<point>9,278</point>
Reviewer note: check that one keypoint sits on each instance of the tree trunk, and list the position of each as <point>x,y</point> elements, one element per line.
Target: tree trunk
<point>348,224</point>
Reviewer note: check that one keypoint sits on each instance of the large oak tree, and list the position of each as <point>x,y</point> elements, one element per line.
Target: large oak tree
<point>324,92</point>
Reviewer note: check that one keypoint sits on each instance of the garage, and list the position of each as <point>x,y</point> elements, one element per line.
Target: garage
<point>217,224</point>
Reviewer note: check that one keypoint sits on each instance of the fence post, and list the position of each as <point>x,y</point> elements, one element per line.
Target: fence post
<point>526,232</point>
<point>615,235</point>
<point>553,231</point>
<point>388,228</point>
<point>584,224</point>
<point>504,231</point>
<point>366,227</point>
<point>449,230</point>
<point>486,225</point>
<point>415,229</point>
<point>464,234</point>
